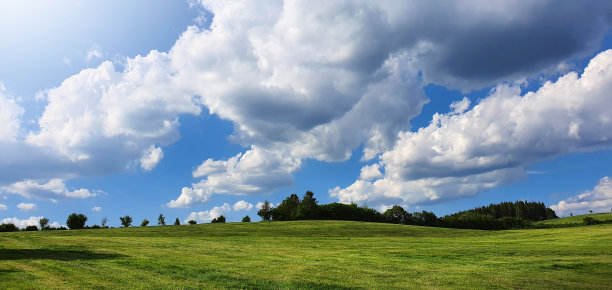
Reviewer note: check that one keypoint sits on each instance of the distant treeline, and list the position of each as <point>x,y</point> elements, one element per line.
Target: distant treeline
<point>505,215</point>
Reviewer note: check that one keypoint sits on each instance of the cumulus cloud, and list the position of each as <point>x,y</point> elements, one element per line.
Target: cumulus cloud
<point>462,154</point>
<point>93,52</point>
<point>208,215</point>
<point>32,221</point>
<point>26,206</point>
<point>151,157</point>
<point>260,204</point>
<point>10,116</point>
<point>598,200</point>
<point>52,190</point>
<point>242,205</point>
<point>3,207</point>
<point>96,208</point>
<point>256,171</point>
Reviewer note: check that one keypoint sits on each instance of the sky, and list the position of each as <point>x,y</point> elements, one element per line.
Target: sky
<point>193,109</point>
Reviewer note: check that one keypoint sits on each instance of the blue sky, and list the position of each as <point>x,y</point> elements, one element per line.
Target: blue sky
<point>194,109</point>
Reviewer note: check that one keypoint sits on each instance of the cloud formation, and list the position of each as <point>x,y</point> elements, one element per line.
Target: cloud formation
<point>151,157</point>
<point>598,200</point>
<point>3,207</point>
<point>53,190</point>
<point>32,221</point>
<point>10,117</point>
<point>96,208</point>
<point>26,206</point>
<point>242,205</point>
<point>208,215</point>
<point>463,154</point>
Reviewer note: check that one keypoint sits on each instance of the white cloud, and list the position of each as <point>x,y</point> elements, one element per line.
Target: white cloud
<point>52,190</point>
<point>3,207</point>
<point>260,204</point>
<point>242,205</point>
<point>96,208</point>
<point>254,172</point>
<point>93,52</point>
<point>208,215</point>
<point>10,117</point>
<point>598,200</point>
<point>66,61</point>
<point>463,154</point>
<point>26,206</point>
<point>32,221</point>
<point>151,157</point>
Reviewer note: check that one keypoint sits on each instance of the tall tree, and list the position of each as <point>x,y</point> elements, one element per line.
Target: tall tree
<point>161,220</point>
<point>266,211</point>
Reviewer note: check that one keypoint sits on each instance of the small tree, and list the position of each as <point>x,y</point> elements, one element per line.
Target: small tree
<point>177,222</point>
<point>144,223</point>
<point>126,221</point>
<point>161,220</point>
<point>571,214</point>
<point>44,223</point>
<point>104,221</point>
<point>266,211</point>
<point>192,222</point>
<point>218,220</point>
<point>246,219</point>
<point>590,211</point>
<point>76,221</point>
<point>10,227</point>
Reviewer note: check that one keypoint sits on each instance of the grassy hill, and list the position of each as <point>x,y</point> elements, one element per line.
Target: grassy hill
<point>578,219</point>
<point>307,254</point>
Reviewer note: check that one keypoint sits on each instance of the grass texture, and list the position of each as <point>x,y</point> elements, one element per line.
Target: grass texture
<point>308,254</point>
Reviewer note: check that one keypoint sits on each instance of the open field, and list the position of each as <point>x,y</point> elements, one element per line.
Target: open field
<point>604,217</point>
<point>321,254</point>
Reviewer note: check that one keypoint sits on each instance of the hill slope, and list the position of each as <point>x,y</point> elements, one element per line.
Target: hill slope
<point>577,219</point>
<point>307,254</point>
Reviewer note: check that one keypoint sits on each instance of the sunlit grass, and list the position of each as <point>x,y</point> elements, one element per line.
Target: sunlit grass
<point>307,254</point>
<point>578,219</point>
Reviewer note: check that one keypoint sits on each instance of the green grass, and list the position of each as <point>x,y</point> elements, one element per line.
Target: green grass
<point>604,217</point>
<point>308,254</point>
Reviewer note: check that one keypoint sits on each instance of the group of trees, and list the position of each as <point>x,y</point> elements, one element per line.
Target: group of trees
<point>505,215</point>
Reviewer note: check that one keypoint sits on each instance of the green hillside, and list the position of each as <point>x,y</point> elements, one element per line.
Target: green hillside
<point>307,254</point>
<point>578,219</point>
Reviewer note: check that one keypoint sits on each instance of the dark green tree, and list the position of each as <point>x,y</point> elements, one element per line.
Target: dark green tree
<point>144,223</point>
<point>161,220</point>
<point>397,215</point>
<point>31,228</point>
<point>246,219</point>
<point>10,227</point>
<point>219,220</point>
<point>177,222</point>
<point>192,222</point>
<point>308,209</point>
<point>76,221</point>
<point>44,223</point>
<point>266,211</point>
<point>126,221</point>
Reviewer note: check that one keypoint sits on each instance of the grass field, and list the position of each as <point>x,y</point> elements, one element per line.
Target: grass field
<point>604,217</point>
<point>308,254</point>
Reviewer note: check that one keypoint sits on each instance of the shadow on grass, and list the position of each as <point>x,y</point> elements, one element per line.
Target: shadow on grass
<point>50,254</point>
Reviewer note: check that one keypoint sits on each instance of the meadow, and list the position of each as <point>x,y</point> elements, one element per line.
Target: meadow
<point>307,254</point>
<point>577,220</point>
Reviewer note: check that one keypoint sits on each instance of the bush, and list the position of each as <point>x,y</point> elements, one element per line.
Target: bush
<point>144,223</point>
<point>177,222</point>
<point>589,221</point>
<point>95,227</point>
<point>126,221</point>
<point>246,219</point>
<point>76,221</point>
<point>218,220</point>
<point>10,227</point>
<point>192,222</point>
<point>31,228</point>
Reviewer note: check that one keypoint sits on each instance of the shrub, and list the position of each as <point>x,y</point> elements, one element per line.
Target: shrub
<point>218,220</point>
<point>126,221</point>
<point>31,228</point>
<point>10,227</point>
<point>144,223</point>
<point>589,221</point>
<point>95,227</point>
<point>76,221</point>
<point>246,219</point>
<point>192,222</point>
<point>177,222</point>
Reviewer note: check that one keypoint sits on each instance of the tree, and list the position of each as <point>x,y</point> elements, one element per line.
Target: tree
<point>590,211</point>
<point>246,219</point>
<point>44,223</point>
<point>144,223</point>
<point>266,211</point>
<point>104,221</point>
<point>126,221</point>
<point>10,227</point>
<point>287,209</point>
<point>192,222</point>
<point>397,215</point>
<point>31,228</point>
<point>218,220</point>
<point>161,220</point>
<point>177,222</point>
<point>571,214</point>
<point>76,221</point>
<point>308,209</point>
